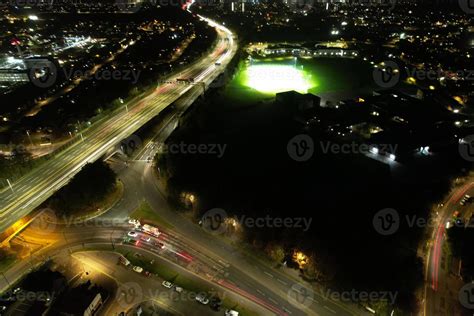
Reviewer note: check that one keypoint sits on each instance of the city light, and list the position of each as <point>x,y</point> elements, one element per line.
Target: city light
<point>300,258</point>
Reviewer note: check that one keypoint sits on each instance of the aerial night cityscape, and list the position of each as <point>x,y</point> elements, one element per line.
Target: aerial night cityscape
<point>236,157</point>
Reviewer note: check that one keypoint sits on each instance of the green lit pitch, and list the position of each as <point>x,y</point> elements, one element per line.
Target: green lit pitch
<point>274,78</point>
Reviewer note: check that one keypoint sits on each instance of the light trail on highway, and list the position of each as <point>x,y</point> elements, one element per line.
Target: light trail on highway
<point>37,186</point>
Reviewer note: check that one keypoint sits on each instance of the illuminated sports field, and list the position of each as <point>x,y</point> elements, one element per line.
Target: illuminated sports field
<point>257,80</point>
<point>273,78</point>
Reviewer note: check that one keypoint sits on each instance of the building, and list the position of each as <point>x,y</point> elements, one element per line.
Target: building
<point>83,300</point>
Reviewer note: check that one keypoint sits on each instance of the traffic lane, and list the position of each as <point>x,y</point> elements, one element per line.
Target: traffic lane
<point>37,196</point>
<point>152,288</point>
<point>253,268</point>
<point>436,295</point>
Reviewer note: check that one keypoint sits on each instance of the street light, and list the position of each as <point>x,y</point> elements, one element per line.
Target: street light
<point>29,137</point>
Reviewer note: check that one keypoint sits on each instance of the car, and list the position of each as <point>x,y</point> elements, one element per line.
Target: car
<point>178,289</point>
<point>201,298</point>
<point>2,308</point>
<point>167,284</point>
<point>17,290</point>
<point>132,234</point>
<point>159,245</point>
<point>145,238</point>
<point>215,304</point>
<point>133,221</point>
<point>231,312</point>
<point>138,269</point>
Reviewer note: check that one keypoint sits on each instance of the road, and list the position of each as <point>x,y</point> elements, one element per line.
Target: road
<point>442,282</point>
<point>244,273</point>
<point>34,188</point>
<point>278,292</point>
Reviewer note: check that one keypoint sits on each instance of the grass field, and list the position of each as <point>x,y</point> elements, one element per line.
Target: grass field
<point>259,80</point>
<point>145,212</point>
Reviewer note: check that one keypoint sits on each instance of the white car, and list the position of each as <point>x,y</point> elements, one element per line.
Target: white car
<point>178,289</point>
<point>132,234</point>
<point>167,284</point>
<point>231,312</point>
<point>138,269</point>
<point>201,298</point>
<point>133,221</point>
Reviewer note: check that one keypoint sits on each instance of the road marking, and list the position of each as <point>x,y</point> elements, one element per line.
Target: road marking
<point>282,282</point>
<point>261,292</point>
<point>331,310</point>
<point>270,275</point>
<point>287,310</point>
<point>273,301</point>
<point>314,300</point>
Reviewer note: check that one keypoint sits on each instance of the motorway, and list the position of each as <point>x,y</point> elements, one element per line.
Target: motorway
<point>442,280</point>
<point>37,186</point>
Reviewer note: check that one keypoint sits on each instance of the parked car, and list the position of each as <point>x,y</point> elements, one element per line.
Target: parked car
<point>178,289</point>
<point>215,304</point>
<point>201,298</point>
<point>132,234</point>
<point>231,312</point>
<point>167,284</point>
<point>138,269</point>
